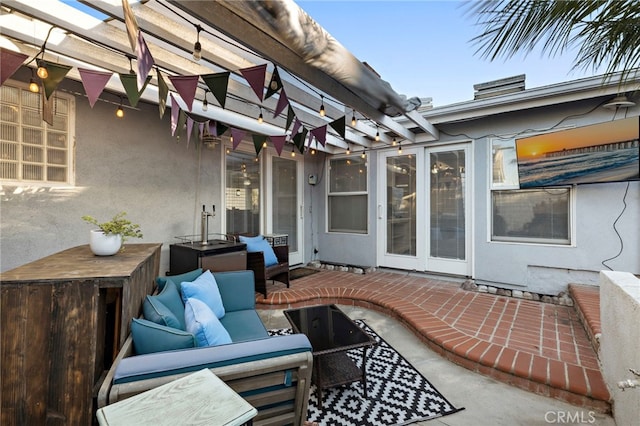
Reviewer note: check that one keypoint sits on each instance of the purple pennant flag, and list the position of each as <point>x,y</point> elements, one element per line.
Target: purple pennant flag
<point>145,60</point>
<point>213,128</point>
<point>94,83</point>
<point>296,127</point>
<point>201,129</point>
<point>278,142</point>
<point>283,101</point>
<point>255,78</point>
<point>186,86</point>
<point>175,113</point>
<point>237,136</point>
<point>9,63</point>
<point>320,133</point>
<point>189,129</point>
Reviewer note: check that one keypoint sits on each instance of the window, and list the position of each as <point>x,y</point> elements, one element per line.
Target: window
<point>348,199</point>
<point>532,215</point>
<point>242,193</point>
<point>31,150</point>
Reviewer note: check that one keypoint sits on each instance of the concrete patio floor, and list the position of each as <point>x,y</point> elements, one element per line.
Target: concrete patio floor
<point>534,358</point>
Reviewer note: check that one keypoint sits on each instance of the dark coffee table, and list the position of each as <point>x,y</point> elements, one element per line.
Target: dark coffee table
<point>331,334</point>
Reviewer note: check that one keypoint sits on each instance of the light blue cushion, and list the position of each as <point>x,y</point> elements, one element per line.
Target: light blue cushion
<point>259,243</point>
<point>205,289</point>
<point>149,337</point>
<point>165,308</point>
<point>177,279</point>
<point>203,323</point>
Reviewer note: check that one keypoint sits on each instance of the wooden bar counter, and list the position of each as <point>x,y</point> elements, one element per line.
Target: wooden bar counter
<point>63,320</point>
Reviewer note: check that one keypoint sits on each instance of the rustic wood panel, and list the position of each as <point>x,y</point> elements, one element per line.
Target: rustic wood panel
<point>53,329</point>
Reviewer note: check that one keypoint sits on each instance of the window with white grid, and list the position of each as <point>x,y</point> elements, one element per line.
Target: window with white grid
<point>31,150</point>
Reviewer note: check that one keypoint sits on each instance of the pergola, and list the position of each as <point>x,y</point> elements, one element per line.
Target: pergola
<point>314,68</point>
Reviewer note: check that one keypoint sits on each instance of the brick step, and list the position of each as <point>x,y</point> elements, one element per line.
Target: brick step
<point>587,305</point>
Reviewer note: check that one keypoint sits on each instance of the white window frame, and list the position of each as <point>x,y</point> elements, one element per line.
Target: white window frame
<point>331,194</point>
<point>512,185</point>
<point>70,149</point>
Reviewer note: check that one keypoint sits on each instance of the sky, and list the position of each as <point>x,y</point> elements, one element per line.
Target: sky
<point>422,47</point>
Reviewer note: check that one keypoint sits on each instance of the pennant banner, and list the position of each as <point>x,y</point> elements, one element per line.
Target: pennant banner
<point>57,73</point>
<point>163,92</point>
<point>283,101</point>
<point>189,129</point>
<point>299,138</point>
<point>218,84</point>
<point>274,85</point>
<point>237,135</point>
<point>278,142</point>
<point>255,78</point>
<point>94,83</point>
<point>182,119</point>
<point>9,63</point>
<point>186,86</point>
<point>130,84</point>
<point>290,116</point>
<point>296,127</point>
<point>339,126</point>
<point>258,142</point>
<point>320,133</point>
<point>175,111</point>
<point>145,60</point>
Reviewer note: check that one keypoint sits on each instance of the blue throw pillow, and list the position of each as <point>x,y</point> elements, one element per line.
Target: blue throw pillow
<point>259,243</point>
<point>177,279</point>
<point>204,288</point>
<point>149,337</point>
<point>165,308</point>
<point>204,324</point>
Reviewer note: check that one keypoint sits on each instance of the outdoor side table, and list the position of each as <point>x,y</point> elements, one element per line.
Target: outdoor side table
<point>198,399</point>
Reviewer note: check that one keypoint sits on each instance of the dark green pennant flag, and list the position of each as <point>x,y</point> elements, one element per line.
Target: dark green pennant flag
<point>338,126</point>
<point>163,92</point>
<point>290,116</point>
<point>258,141</point>
<point>130,84</point>
<point>221,128</point>
<point>218,84</point>
<point>275,84</point>
<point>299,138</point>
<point>57,73</point>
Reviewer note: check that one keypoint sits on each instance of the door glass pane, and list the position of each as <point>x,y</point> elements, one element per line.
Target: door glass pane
<point>447,204</point>
<point>242,194</point>
<point>285,200</point>
<point>401,205</point>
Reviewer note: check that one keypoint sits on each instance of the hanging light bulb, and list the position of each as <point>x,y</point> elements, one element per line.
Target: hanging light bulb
<point>260,117</point>
<point>399,148</point>
<point>322,111</point>
<point>42,68</point>
<point>394,142</point>
<point>364,154</point>
<point>377,135</point>
<point>353,119</point>
<point>293,150</point>
<point>264,144</point>
<point>348,148</point>
<point>197,47</point>
<point>33,85</point>
<point>205,103</point>
<point>120,111</point>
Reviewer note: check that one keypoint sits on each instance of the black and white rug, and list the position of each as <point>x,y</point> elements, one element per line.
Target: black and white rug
<point>397,393</point>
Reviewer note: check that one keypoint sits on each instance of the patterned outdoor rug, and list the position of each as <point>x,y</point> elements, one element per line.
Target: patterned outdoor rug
<point>397,393</point>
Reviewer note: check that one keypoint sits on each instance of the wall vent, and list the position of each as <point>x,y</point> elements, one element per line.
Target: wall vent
<point>499,87</point>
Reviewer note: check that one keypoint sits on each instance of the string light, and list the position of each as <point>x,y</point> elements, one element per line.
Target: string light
<point>364,154</point>
<point>120,111</point>
<point>293,150</point>
<point>33,86</point>
<point>197,47</point>
<point>399,148</point>
<point>260,117</point>
<point>348,148</point>
<point>394,142</point>
<point>377,134</point>
<point>322,111</point>
<point>353,119</point>
<point>42,69</point>
<point>205,103</point>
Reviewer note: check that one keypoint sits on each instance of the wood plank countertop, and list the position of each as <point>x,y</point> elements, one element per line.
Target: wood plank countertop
<point>80,263</point>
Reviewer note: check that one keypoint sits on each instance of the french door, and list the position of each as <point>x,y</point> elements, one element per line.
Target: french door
<point>423,213</point>
<point>284,203</point>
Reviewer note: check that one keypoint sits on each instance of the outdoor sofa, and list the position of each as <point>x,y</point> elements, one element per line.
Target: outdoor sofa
<point>271,373</point>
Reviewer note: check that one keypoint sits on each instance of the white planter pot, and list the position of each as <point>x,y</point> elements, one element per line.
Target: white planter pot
<point>104,245</point>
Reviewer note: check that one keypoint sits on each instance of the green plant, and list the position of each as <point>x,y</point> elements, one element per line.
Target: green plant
<point>117,225</point>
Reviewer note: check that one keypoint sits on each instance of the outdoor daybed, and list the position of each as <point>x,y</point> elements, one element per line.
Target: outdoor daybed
<point>272,373</point>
